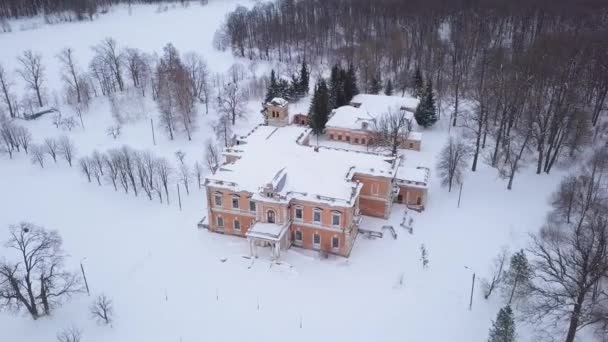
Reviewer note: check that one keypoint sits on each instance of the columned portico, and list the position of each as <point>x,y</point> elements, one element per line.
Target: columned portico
<point>268,234</point>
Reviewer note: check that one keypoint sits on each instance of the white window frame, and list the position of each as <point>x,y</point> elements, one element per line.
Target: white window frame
<point>215,200</point>
<point>255,206</point>
<point>332,243</point>
<point>375,189</point>
<point>217,222</point>
<point>295,214</point>
<point>320,212</point>
<point>316,245</point>
<point>336,214</point>
<point>238,202</point>
<point>235,223</point>
<point>295,238</point>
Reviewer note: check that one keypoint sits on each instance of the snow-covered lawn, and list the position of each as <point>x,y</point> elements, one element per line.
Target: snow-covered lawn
<point>172,282</point>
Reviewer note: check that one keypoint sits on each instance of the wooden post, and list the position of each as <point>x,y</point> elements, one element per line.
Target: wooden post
<point>152,126</point>
<point>179,197</point>
<point>460,194</point>
<point>472,289</point>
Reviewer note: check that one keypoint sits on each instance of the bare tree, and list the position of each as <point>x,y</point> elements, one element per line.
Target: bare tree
<point>102,309</point>
<point>70,334</point>
<point>212,156</point>
<point>198,173</point>
<point>146,172</point>
<point>111,59</point>
<point>223,130</point>
<point>8,96</point>
<point>51,147</point>
<point>70,72</point>
<point>570,259</point>
<point>32,72</point>
<point>199,76</point>
<point>85,167</point>
<point>452,162</point>
<point>37,282</point>
<point>231,102</point>
<point>138,65</point>
<point>23,137</point>
<point>392,129</point>
<point>163,174</point>
<point>7,134</point>
<point>111,167</point>
<point>498,268</point>
<point>66,149</point>
<point>37,154</point>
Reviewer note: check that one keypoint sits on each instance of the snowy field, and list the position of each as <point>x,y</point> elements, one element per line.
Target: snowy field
<point>172,282</point>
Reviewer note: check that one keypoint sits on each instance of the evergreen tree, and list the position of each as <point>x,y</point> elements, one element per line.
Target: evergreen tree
<point>503,328</point>
<point>426,111</point>
<point>389,88</point>
<point>319,108</point>
<point>350,84</point>
<point>417,83</point>
<point>304,78</point>
<point>295,89</point>
<point>518,275</point>
<point>335,87</point>
<point>272,90</point>
<point>283,90</point>
<point>375,85</point>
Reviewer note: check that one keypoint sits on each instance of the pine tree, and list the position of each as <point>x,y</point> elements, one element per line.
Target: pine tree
<point>283,90</point>
<point>417,83</point>
<point>304,78</point>
<point>503,328</point>
<point>319,108</point>
<point>375,85</point>
<point>295,89</point>
<point>334,86</point>
<point>518,275</point>
<point>426,111</point>
<point>271,91</point>
<point>350,84</point>
<point>389,88</point>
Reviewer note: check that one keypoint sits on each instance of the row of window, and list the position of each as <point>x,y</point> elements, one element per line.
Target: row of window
<point>347,138</point>
<point>236,224</point>
<point>317,213</point>
<point>235,202</point>
<point>316,240</point>
<point>298,236</point>
<point>299,211</point>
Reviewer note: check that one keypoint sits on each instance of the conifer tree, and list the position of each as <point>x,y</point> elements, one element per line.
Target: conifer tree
<point>389,88</point>
<point>272,90</point>
<point>518,275</point>
<point>304,78</point>
<point>503,328</point>
<point>350,84</point>
<point>319,108</point>
<point>417,84</point>
<point>426,111</point>
<point>375,85</point>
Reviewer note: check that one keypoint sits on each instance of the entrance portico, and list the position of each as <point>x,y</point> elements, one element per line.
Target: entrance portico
<point>268,234</point>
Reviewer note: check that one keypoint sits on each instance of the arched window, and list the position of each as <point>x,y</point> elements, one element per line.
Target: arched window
<point>270,216</point>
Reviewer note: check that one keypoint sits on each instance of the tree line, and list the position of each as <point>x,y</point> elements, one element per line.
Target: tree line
<point>524,80</point>
<point>81,9</point>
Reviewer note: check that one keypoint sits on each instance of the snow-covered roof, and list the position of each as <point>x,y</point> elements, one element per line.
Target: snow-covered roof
<point>271,155</point>
<point>279,101</point>
<point>415,136</point>
<point>267,231</point>
<point>413,176</point>
<point>367,107</point>
<point>378,104</point>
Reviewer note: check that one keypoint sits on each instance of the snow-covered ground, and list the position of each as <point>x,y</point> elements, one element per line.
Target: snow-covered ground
<point>172,282</point>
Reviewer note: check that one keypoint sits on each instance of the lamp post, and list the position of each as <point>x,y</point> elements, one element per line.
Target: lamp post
<point>84,276</point>
<point>472,288</point>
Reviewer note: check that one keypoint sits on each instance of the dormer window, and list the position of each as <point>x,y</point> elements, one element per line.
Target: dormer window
<point>364,125</point>
<point>269,194</point>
